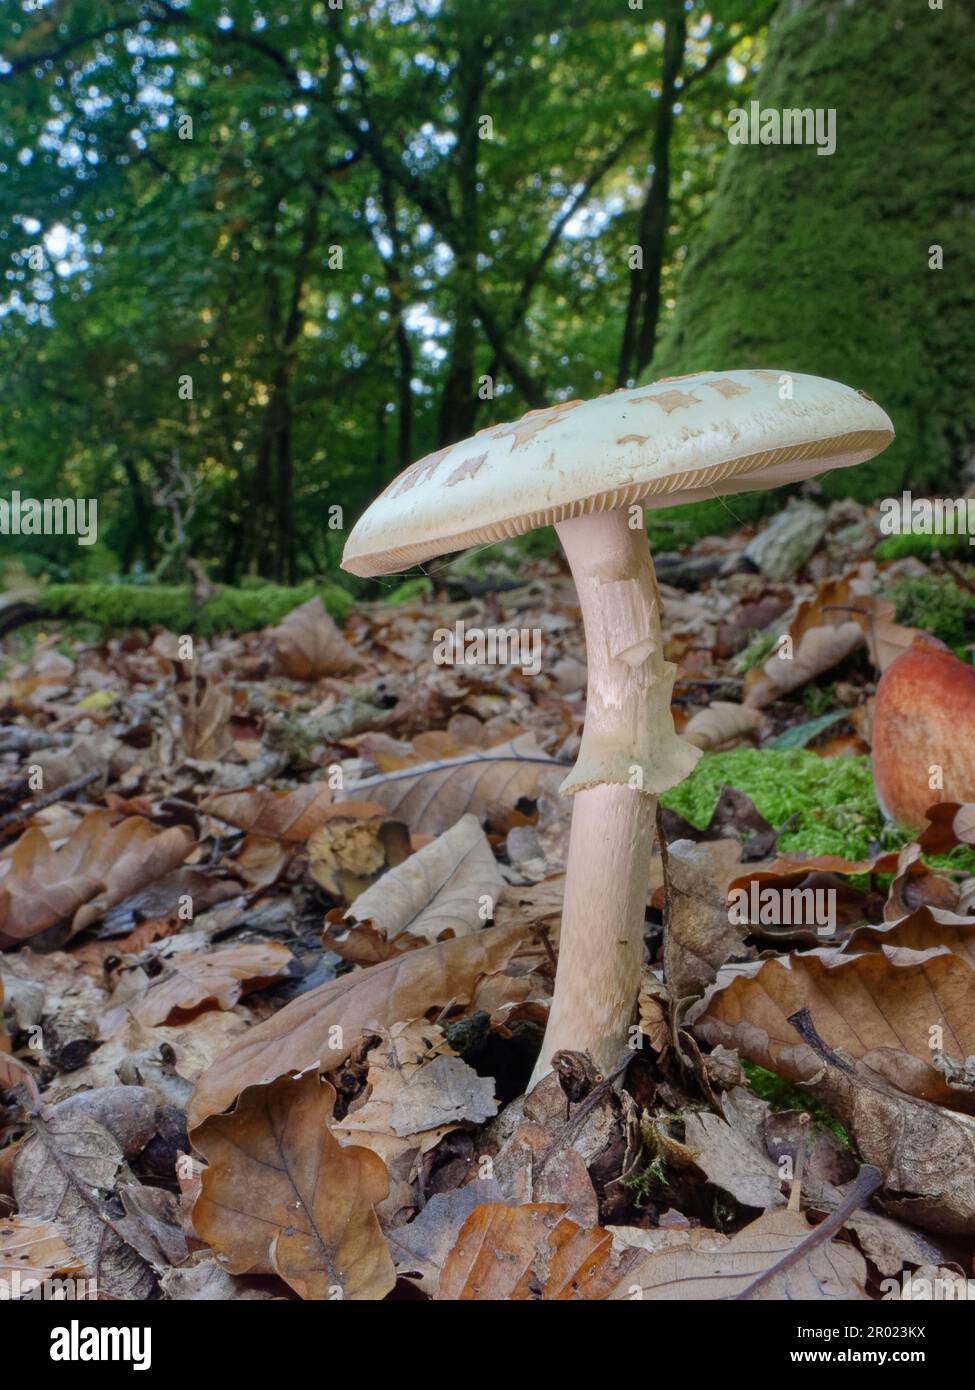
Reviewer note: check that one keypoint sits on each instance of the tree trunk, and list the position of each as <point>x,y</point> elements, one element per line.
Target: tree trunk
<point>643,305</point>
<point>822,263</point>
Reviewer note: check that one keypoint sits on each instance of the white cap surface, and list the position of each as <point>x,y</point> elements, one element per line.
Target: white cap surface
<point>678,440</point>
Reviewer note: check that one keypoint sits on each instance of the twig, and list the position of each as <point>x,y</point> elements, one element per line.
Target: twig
<point>568,1131</point>
<point>23,813</point>
<point>795,1193</point>
<point>802,1022</point>
<point>868,1180</point>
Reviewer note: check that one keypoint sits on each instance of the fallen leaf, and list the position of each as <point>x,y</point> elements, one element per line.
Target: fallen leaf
<point>290,816</point>
<point>721,723</point>
<point>205,710</point>
<point>100,865</point>
<point>879,1006</point>
<point>925,1152</point>
<point>193,980</point>
<point>442,890</point>
<point>66,1172</point>
<point>699,935</point>
<point>690,1272</point>
<point>281,1195</point>
<point>818,650</point>
<point>431,797</point>
<point>530,1252</point>
<point>423,1244</point>
<point>321,1027</point>
<point>310,645</point>
<point>32,1250</point>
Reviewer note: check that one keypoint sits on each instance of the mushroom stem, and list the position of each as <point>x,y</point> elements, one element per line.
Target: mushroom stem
<point>629,754</point>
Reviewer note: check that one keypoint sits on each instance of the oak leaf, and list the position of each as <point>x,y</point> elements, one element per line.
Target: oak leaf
<point>281,1195</point>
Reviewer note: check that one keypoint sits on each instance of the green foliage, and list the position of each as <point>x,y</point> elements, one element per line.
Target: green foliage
<point>191,352</point>
<point>820,264</point>
<point>230,610</point>
<point>756,653</point>
<point>785,1095</point>
<point>832,798</point>
<point>410,589</point>
<point>937,604</point>
<point>899,547</point>
<point>671,527</point>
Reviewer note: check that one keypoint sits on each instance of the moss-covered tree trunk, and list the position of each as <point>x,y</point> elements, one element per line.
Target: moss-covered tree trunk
<point>825,263</point>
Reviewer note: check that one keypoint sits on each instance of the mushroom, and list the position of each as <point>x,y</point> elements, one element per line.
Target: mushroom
<point>590,468</point>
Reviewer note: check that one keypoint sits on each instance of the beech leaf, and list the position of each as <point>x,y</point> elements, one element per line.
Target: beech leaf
<point>437,891</point>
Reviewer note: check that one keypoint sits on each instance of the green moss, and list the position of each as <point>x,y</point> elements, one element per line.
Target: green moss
<point>959,860</point>
<point>820,264</point>
<point>899,547</point>
<point>669,528</point>
<point>410,589</point>
<point>755,653</point>
<point>938,605</point>
<point>785,1095</point>
<point>832,798</point>
<point>229,610</point>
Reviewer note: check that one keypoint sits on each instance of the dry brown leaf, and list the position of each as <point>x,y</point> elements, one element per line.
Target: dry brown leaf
<point>205,710</point>
<point>879,1006</point>
<point>260,861</point>
<point>450,886</point>
<point>432,797</point>
<point>310,645</point>
<point>721,723</point>
<point>921,930</point>
<point>689,1272</point>
<point>950,823</point>
<point>925,1153</point>
<point>281,1195</point>
<point>698,933</point>
<point>818,650</point>
<point>63,1171</point>
<point>529,1252</point>
<point>563,1177</point>
<point>100,865</point>
<point>321,1027</point>
<point>729,1159</point>
<point>421,1246</point>
<point>290,816</point>
<point>193,980</point>
<point>33,1250</point>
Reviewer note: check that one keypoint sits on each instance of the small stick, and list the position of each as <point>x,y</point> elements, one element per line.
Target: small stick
<point>24,813</point>
<point>802,1022</point>
<point>795,1194</point>
<point>867,1182</point>
<point>568,1131</point>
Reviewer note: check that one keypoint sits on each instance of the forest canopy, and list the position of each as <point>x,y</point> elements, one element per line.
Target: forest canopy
<point>258,257</point>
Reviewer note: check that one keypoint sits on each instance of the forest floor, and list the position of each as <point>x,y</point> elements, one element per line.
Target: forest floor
<point>281,911</point>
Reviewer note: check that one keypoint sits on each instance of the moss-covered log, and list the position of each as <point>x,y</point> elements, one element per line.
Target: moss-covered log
<point>172,607</point>
<point>824,263</point>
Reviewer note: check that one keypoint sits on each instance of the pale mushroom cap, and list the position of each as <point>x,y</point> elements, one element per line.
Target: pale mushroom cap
<point>678,440</point>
